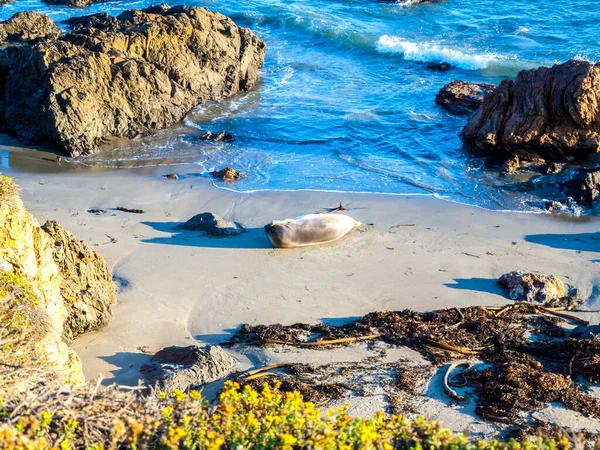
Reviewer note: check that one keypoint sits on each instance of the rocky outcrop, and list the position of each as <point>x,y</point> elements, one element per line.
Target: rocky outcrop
<point>210,224</point>
<point>460,97</point>
<point>73,3</point>
<point>126,76</point>
<point>534,287</point>
<point>27,26</point>
<point>86,287</point>
<point>34,281</point>
<point>550,113</point>
<point>186,368</point>
<point>228,174</point>
<point>584,187</point>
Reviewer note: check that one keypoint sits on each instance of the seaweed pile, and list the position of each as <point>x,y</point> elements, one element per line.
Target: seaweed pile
<point>529,358</point>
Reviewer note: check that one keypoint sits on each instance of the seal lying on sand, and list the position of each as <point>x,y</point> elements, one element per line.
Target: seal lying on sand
<point>309,230</point>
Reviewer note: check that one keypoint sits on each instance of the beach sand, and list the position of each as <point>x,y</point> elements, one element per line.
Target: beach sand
<point>177,288</point>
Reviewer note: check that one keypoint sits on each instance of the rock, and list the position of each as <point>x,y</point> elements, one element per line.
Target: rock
<point>439,67</point>
<point>171,176</point>
<point>210,224</point>
<point>533,287</point>
<point>460,97</point>
<point>27,26</point>
<point>99,21</point>
<point>228,174</point>
<point>218,137</point>
<point>86,287</point>
<point>591,332</point>
<point>186,368</point>
<point>511,165</point>
<point>73,3</point>
<point>567,205</point>
<point>552,113</point>
<point>551,168</point>
<point>584,187</point>
<point>127,76</point>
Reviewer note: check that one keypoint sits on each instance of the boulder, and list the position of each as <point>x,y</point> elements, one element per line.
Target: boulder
<point>460,97</point>
<point>86,287</point>
<point>584,187</point>
<point>228,174</point>
<point>186,368</point>
<point>126,76</point>
<point>218,137</point>
<point>549,113</point>
<point>210,224</point>
<point>27,26</point>
<point>534,287</point>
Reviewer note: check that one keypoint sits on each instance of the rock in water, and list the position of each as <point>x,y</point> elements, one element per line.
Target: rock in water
<point>126,76</point>
<point>585,186</point>
<point>187,367</point>
<point>26,26</point>
<point>460,97</point>
<point>228,174</point>
<point>211,224</point>
<point>534,287</point>
<point>73,3</point>
<point>86,287</point>
<point>552,113</point>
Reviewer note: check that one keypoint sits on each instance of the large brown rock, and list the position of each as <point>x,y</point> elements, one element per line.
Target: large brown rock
<point>552,113</point>
<point>584,187</point>
<point>26,26</point>
<point>461,97</point>
<point>126,76</point>
<point>86,287</point>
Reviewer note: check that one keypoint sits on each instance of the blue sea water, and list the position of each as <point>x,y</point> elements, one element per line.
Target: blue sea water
<point>346,100</point>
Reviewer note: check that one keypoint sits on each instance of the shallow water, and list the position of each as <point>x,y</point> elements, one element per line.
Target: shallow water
<point>346,100</point>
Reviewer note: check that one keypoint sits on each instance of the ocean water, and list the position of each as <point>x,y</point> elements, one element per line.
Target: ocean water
<point>346,99</point>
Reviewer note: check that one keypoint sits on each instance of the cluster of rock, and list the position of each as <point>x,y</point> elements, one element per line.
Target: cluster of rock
<point>71,285</point>
<point>461,97</point>
<point>121,76</point>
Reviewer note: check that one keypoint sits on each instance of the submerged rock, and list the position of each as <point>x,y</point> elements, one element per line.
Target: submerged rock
<point>228,174</point>
<point>86,287</point>
<point>584,187</point>
<point>186,368</point>
<point>460,97</point>
<point>126,76</point>
<point>218,137</point>
<point>550,113</point>
<point>534,287</point>
<point>73,3</point>
<point>171,176</point>
<point>210,224</point>
<point>27,26</point>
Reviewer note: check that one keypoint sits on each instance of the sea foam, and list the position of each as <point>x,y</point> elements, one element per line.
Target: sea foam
<point>425,52</point>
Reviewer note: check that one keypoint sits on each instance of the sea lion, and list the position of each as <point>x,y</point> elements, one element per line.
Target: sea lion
<point>309,230</point>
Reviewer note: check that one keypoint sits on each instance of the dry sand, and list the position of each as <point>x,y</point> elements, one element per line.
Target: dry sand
<point>176,288</point>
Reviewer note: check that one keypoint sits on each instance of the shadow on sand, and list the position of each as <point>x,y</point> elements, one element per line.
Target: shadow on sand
<point>128,367</point>
<point>488,285</point>
<point>587,242</point>
<point>249,238</point>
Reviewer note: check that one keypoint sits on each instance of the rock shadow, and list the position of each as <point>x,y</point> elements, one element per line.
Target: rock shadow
<point>248,238</point>
<point>487,285</point>
<point>128,368</point>
<point>587,242</point>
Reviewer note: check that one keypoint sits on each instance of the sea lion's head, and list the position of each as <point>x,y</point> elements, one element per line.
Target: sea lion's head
<point>277,231</point>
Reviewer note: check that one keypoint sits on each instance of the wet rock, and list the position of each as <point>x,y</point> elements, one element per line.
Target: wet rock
<point>534,287</point>
<point>73,3</point>
<point>218,137</point>
<point>27,26</point>
<point>228,174</point>
<point>460,97</point>
<point>187,367</point>
<point>552,113</point>
<point>551,168</point>
<point>567,205</point>
<point>171,176</point>
<point>511,165</point>
<point>591,332</point>
<point>100,21</point>
<point>210,224</point>
<point>584,187</point>
<point>86,287</point>
<point>439,67</point>
<point>128,76</point>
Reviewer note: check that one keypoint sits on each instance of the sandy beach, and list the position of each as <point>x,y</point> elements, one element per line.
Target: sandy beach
<point>176,288</point>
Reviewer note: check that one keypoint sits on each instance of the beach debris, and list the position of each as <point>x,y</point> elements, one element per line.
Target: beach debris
<point>186,368</point>
<point>217,137</point>
<point>311,229</point>
<point>533,287</point>
<point>332,210</point>
<point>111,240</point>
<point>96,211</point>
<point>145,349</point>
<point>228,174</point>
<point>451,392</point>
<point>210,224</point>
<point>129,210</point>
<point>460,97</point>
<point>171,176</point>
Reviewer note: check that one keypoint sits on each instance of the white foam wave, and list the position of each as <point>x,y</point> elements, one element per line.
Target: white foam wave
<point>426,52</point>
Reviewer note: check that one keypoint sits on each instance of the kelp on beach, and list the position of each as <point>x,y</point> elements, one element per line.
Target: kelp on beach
<point>526,359</point>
